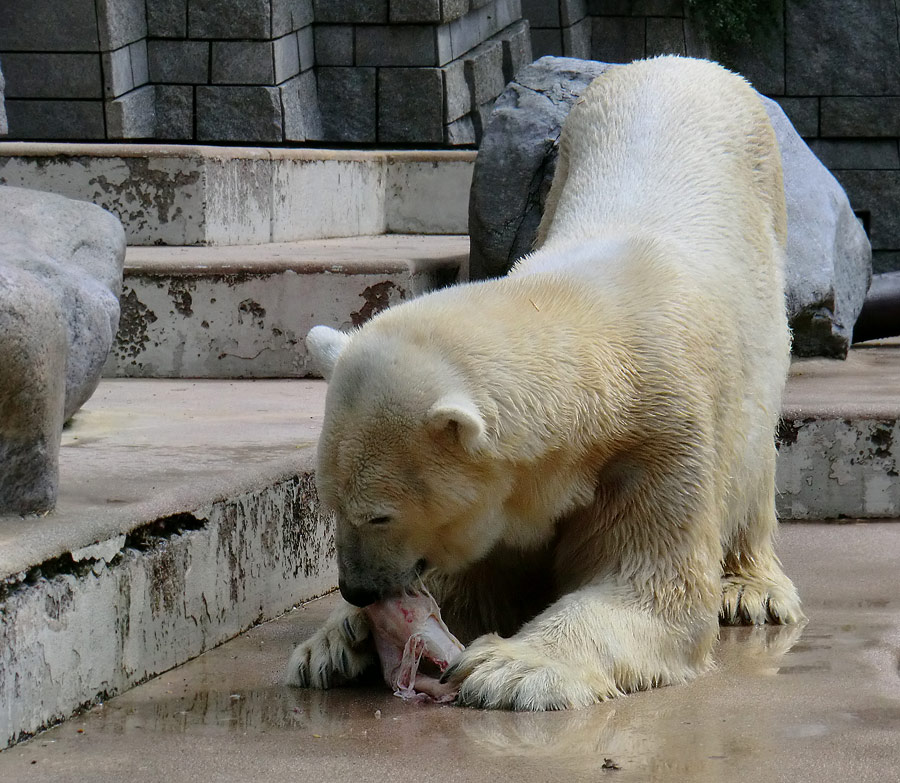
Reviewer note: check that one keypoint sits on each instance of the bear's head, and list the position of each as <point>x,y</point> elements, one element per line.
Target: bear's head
<point>403,462</point>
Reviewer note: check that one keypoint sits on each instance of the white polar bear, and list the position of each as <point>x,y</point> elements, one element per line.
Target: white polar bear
<point>579,458</point>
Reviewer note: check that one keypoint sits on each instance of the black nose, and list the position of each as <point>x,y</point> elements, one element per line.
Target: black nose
<point>358,596</point>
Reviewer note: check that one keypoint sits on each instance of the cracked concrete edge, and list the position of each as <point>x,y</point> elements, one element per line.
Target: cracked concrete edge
<point>83,630</point>
<point>192,195</point>
<point>838,468</point>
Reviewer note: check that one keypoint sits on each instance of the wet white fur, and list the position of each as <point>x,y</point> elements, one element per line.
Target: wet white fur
<point>614,401</point>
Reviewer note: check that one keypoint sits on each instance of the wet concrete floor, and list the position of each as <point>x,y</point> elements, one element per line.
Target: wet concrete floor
<point>819,703</point>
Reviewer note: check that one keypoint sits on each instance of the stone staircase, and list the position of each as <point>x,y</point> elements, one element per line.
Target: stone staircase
<point>187,511</point>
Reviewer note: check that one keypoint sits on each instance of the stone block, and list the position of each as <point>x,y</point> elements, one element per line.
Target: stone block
<point>348,104</point>
<point>454,9</point>
<point>167,18</point>
<point>351,11</point>
<point>828,254</point>
<point>577,39</point>
<point>174,112</point>
<point>33,348</point>
<point>860,116</point>
<point>245,114</point>
<point>230,19</point>
<point>74,120</point>
<point>857,153</point>
<point>547,42</point>
<point>77,251</point>
<point>242,62</point>
<point>287,57</point>
<point>761,59</point>
<point>140,67</point>
<point>302,117</point>
<point>664,36</point>
<point>117,73</point>
<point>120,22</point>
<point>484,72</point>
<point>52,75</point>
<point>617,39</point>
<point>878,193</point>
<point>636,7</point>
<point>479,24</point>
<point>461,133</point>
<point>178,62</point>
<point>307,48</point>
<point>570,11</point>
<point>333,44</point>
<point>516,40</point>
<point>410,105</point>
<point>828,55</point>
<point>288,16</point>
<point>541,13</point>
<point>397,45</point>
<point>415,11</point>
<point>73,28</point>
<point>133,115</point>
<point>803,114</point>
<point>457,92</point>
<point>884,261</point>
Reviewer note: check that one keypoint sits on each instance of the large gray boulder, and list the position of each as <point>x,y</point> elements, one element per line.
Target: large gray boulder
<point>60,280</point>
<point>828,254</point>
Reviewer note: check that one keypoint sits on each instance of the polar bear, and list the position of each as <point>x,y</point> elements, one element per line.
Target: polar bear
<point>579,458</point>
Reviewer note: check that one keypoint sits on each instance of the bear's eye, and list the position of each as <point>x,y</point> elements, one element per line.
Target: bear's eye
<point>379,520</point>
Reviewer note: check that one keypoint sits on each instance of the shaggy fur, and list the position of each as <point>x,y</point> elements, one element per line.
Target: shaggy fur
<point>580,456</point>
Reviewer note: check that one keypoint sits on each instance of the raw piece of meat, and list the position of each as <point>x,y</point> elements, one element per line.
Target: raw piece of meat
<point>406,629</point>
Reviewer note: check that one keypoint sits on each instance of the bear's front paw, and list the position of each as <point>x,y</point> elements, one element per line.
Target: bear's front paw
<point>495,673</point>
<point>339,651</point>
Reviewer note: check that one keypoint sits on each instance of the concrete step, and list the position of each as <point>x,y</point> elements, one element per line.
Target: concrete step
<point>243,311</point>
<point>196,195</point>
<point>187,513</point>
<point>784,703</point>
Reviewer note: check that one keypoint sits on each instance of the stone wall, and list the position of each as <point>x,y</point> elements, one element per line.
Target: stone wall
<point>832,65</point>
<point>392,72</point>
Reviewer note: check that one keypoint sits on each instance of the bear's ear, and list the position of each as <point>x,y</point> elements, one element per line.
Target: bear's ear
<point>325,345</point>
<point>459,414</point>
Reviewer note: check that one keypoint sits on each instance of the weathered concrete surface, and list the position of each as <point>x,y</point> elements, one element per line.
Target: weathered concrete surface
<point>840,436</point>
<point>783,705</point>
<point>829,259</point>
<point>186,514</point>
<point>194,195</point>
<point>244,311</point>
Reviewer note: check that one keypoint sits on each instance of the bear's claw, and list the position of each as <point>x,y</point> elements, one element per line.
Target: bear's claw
<point>748,600</point>
<point>497,673</point>
<point>335,654</point>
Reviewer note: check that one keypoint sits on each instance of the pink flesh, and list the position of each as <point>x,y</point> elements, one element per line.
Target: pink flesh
<point>406,629</point>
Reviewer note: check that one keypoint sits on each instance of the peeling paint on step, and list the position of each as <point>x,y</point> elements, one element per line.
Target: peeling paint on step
<point>126,610</point>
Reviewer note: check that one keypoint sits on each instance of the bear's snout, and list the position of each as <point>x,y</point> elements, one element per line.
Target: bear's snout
<point>357,595</point>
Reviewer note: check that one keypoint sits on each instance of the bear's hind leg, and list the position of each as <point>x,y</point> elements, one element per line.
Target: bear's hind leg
<point>755,589</point>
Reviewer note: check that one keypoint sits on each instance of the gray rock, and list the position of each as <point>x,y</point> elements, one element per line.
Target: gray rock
<point>77,250</point>
<point>33,348</point>
<point>517,159</point>
<point>829,257</point>
<point>60,280</point>
<point>4,128</point>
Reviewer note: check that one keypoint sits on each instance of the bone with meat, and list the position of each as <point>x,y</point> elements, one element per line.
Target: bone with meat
<point>406,629</point>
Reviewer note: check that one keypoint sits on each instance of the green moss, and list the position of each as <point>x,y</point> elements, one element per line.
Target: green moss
<point>729,23</point>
